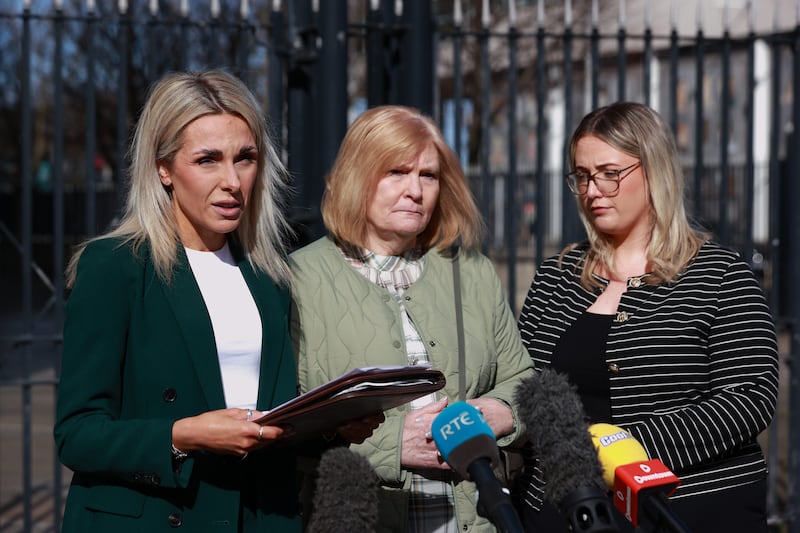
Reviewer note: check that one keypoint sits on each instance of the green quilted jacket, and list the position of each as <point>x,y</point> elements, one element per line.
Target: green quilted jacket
<point>340,321</point>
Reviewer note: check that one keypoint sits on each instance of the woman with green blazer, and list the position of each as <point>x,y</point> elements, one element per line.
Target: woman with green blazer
<point>176,330</point>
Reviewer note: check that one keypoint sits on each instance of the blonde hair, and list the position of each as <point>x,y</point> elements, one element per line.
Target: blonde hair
<point>172,104</point>
<point>379,139</point>
<point>640,132</point>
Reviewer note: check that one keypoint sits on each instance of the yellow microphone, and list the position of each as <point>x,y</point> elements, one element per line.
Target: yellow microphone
<point>641,485</point>
<point>615,447</point>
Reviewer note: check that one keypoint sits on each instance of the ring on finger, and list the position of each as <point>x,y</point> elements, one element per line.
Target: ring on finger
<point>260,431</point>
<point>249,415</point>
<point>428,435</point>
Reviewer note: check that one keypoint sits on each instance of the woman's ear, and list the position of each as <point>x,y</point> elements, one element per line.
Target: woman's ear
<point>163,175</point>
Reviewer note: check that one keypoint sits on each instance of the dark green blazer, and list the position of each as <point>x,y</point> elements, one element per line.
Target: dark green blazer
<point>138,355</point>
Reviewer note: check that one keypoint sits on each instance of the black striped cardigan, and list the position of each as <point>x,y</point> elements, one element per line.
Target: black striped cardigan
<point>692,364</point>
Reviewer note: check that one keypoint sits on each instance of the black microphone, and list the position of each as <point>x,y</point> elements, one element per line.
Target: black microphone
<point>558,432</point>
<point>346,495</point>
<point>467,443</point>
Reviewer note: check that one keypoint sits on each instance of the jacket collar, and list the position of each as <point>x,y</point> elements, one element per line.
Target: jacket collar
<point>194,323</point>
<point>273,308</point>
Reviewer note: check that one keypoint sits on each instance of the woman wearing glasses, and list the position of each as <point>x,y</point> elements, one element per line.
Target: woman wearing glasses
<point>663,332</point>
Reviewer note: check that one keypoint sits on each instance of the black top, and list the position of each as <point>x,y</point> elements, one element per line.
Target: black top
<point>581,354</point>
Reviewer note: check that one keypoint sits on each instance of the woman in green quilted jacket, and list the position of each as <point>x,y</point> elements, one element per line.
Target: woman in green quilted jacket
<point>379,289</point>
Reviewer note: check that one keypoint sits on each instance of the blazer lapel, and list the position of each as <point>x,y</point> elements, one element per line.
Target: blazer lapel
<point>274,327</point>
<point>194,323</point>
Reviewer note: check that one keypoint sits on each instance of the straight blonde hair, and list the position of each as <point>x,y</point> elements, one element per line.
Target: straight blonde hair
<point>172,104</point>
<point>379,139</point>
<point>640,132</point>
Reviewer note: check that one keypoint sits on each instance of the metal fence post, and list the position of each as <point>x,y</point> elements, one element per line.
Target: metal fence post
<point>275,73</point>
<point>122,108</point>
<point>542,191</point>
<point>723,230</point>
<point>699,129</point>
<point>570,232</point>
<point>302,136</point>
<point>331,101</point>
<point>27,259</point>
<point>91,132</point>
<point>485,126</point>
<point>375,55</point>
<point>511,179</point>
<point>417,72</point>
<point>58,233</point>
<point>792,221</point>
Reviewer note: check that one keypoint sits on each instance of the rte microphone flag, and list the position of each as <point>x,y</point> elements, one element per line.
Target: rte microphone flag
<point>467,443</point>
<point>461,435</point>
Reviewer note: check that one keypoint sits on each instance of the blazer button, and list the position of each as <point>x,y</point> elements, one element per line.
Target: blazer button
<point>396,344</point>
<point>175,520</point>
<point>613,368</point>
<point>169,395</point>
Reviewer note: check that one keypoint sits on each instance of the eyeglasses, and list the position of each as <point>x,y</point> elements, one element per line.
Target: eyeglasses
<point>606,181</point>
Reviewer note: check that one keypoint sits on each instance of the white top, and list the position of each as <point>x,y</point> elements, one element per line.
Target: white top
<point>235,321</point>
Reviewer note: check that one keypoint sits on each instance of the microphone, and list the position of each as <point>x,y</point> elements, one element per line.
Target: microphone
<point>346,494</point>
<point>553,415</point>
<point>467,443</point>
<point>615,447</point>
<point>641,485</point>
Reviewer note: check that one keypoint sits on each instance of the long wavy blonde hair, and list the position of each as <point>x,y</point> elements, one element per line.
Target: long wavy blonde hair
<point>173,103</point>
<point>640,132</point>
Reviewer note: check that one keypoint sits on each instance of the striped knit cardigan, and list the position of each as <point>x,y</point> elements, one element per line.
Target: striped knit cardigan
<point>692,364</point>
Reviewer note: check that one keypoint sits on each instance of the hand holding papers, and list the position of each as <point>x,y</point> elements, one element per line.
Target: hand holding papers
<point>358,393</point>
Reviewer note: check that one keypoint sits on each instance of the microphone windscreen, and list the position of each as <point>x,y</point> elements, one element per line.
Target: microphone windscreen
<point>346,494</point>
<point>615,447</point>
<point>553,414</point>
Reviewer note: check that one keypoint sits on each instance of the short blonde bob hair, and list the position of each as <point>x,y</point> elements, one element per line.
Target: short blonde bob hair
<point>640,132</point>
<point>173,103</point>
<point>379,139</point>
